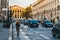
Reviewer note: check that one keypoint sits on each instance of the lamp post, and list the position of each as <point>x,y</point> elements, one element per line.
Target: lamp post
<point>55,8</point>
<point>58,7</point>
<point>9,15</point>
<point>37,15</point>
<point>51,15</point>
<point>44,15</point>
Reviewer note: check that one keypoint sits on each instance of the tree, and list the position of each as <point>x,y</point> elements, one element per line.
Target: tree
<point>27,12</point>
<point>23,13</point>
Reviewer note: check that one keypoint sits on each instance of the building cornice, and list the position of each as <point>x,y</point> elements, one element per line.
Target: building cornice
<point>44,5</point>
<point>37,3</point>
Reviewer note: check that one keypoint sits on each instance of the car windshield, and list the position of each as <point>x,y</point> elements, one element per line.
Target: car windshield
<point>58,25</point>
<point>26,20</point>
<point>34,21</point>
<point>47,21</point>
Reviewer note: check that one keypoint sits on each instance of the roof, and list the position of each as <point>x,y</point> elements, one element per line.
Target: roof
<point>16,7</point>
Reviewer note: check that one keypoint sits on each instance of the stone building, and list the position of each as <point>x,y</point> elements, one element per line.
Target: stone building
<point>48,9</point>
<point>0,10</point>
<point>0,6</point>
<point>3,11</point>
<point>16,11</point>
<point>5,5</point>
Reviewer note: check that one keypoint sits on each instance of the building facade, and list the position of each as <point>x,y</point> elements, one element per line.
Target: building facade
<point>0,10</point>
<point>3,11</point>
<point>16,12</point>
<point>0,6</point>
<point>48,9</point>
<point>5,5</point>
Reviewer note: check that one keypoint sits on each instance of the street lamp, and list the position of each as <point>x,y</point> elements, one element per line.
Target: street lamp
<point>9,14</point>
<point>51,15</point>
<point>55,7</point>
<point>58,10</point>
<point>58,7</point>
<point>44,15</point>
<point>37,15</point>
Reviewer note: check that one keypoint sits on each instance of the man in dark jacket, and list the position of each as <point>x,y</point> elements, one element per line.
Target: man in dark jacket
<point>17,27</point>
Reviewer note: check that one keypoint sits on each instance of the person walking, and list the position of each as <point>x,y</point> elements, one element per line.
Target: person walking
<point>17,28</point>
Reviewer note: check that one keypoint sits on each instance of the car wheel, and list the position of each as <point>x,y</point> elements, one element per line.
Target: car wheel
<point>53,34</point>
<point>43,25</point>
<point>28,25</point>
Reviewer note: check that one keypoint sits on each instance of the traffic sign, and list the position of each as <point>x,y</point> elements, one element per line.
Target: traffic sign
<point>4,9</point>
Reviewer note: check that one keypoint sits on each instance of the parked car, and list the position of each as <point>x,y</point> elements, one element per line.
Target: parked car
<point>47,23</point>
<point>39,21</point>
<point>26,22</point>
<point>13,20</point>
<point>58,20</point>
<point>6,24</point>
<point>21,21</point>
<point>56,29</point>
<point>33,23</point>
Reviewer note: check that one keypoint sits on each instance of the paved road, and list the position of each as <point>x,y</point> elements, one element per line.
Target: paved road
<point>40,33</point>
<point>27,33</point>
<point>4,32</point>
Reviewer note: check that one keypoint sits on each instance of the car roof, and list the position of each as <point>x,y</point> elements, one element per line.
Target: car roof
<point>46,20</point>
<point>57,23</point>
<point>33,20</point>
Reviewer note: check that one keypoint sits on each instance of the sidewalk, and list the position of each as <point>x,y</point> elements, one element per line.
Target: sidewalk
<point>4,32</point>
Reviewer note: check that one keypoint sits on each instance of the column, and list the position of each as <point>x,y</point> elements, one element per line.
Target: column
<point>14,15</point>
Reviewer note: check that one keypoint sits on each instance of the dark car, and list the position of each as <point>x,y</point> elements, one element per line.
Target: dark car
<point>7,24</point>
<point>47,23</point>
<point>33,23</point>
<point>21,21</point>
<point>39,21</point>
<point>13,20</point>
<point>26,22</point>
<point>56,30</point>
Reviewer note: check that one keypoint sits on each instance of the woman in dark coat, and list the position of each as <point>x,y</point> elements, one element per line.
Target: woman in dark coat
<point>17,27</point>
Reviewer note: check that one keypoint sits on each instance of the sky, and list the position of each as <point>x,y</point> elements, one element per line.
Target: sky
<point>22,3</point>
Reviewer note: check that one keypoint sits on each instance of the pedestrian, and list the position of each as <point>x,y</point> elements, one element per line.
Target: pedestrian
<point>17,27</point>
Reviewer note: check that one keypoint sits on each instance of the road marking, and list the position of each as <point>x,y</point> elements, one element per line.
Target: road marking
<point>10,35</point>
<point>44,36</point>
<point>46,28</point>
<point>14,32</point>
<point>26,37</point>
<point>23,35</point>
<point>37,32</point>
<point>31,29</point>
<point>21,31</point>
<point>34,31</point>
